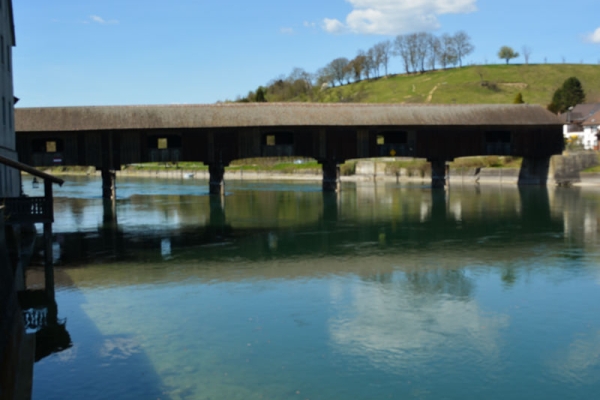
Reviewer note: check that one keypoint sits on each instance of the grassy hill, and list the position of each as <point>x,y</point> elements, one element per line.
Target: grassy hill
<point>485,84</point>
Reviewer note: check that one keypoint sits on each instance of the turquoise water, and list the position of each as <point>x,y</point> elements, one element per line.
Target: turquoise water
<point>280,291</point>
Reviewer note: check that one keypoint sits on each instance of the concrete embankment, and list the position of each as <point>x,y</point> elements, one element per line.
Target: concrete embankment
<point>563,170</point>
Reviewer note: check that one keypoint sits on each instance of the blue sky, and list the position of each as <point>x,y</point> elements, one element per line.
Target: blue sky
<point>110,52</point>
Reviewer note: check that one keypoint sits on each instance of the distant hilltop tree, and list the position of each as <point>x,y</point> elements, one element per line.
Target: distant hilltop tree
<point>518,99</point>
<point>568,95</point>
<point>260,95</point>
<point>507,53</point>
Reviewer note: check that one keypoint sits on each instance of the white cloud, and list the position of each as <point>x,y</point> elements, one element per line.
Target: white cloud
<point>594,37</point>
<point>287,31</point>
<point>100,20</point>
<point>333,25</point>
<point>392,17</point>
<point>308,24</point>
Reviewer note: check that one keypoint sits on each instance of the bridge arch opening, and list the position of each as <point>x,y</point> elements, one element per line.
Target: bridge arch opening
<point>498,143</point>
<point>394,143</point>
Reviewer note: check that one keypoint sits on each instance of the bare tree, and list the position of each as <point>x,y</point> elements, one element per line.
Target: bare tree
<point>421,50</point>
<point>447,55</point>
<point>433,50</point>
<point>357,64</point>
<point>372,64</point>
<point>377,52</point>
<point>339,69</point>
<point>324,76</point>
<point>401,50</point>
<point>462,45</point>
<point>383,52</point>
<point>412,44</point>
<point>526,53</point>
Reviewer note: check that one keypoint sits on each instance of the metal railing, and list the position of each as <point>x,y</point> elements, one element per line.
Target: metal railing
<point>27,209</point>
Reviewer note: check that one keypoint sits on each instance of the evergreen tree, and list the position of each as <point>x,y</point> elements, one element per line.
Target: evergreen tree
<point>518,99</point>
<point>568,95</point>
<point>260,95</point>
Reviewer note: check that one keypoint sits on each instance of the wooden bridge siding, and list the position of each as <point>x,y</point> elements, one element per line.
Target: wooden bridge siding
<point>93,149</point>
<point>448,143</point>
<point>341,144</point>
<point>305,141</point>
<point>536,142</point>
<point>194,143</point>
<point>130,147</point>
<point>321,143</point>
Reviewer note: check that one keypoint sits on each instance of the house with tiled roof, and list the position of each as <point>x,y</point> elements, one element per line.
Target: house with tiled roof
<point>574,124</point>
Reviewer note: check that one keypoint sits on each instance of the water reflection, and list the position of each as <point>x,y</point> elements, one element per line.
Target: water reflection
<point>410,320</point>
<point>40,314</point>
<point>377,291</point>
<point>264,224</point>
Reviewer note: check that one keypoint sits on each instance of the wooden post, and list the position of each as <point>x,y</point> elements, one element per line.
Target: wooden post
<point>49,218</point>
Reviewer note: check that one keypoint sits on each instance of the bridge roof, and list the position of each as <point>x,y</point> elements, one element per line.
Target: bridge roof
<point>238,115</point>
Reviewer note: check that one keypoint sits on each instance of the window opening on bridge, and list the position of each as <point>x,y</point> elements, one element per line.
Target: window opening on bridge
<point>164,142</point>
<point>47,145</point>
<point>394,137</point>
<point>278,138</point>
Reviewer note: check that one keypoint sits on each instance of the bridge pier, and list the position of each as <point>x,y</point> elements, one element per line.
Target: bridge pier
<point>534,171</point>
<point>109,184</point>
<point>331,176</point>
<point>439,172</point>
<point>215,182</point>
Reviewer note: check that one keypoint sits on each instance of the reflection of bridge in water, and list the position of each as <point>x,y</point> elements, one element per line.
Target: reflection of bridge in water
<point>492,220</point>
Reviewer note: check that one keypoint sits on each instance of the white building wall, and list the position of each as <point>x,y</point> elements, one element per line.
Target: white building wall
<point>10,181</point>
<point>590,141</point>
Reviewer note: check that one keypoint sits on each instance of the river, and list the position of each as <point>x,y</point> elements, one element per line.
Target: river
<point>278,291</point>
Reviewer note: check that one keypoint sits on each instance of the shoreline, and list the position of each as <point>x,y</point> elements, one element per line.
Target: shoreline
<point>563,170</point>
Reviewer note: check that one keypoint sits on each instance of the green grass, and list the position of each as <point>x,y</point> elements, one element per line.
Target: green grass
<point>501,83</point>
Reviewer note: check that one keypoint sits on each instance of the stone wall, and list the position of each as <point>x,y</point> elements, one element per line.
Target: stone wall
<point>566,169</point>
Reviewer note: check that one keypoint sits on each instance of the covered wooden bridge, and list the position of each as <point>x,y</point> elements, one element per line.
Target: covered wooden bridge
<point>108,137</point>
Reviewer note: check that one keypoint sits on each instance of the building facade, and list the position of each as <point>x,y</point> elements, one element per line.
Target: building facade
<point>591,129</point>
<point>10,181</point>
<point>579,125</point>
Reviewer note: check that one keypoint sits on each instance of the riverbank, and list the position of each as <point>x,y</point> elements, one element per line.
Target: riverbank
<point>567,169</point>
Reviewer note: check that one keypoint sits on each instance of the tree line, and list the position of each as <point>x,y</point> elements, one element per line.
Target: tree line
<point>419,52</point>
